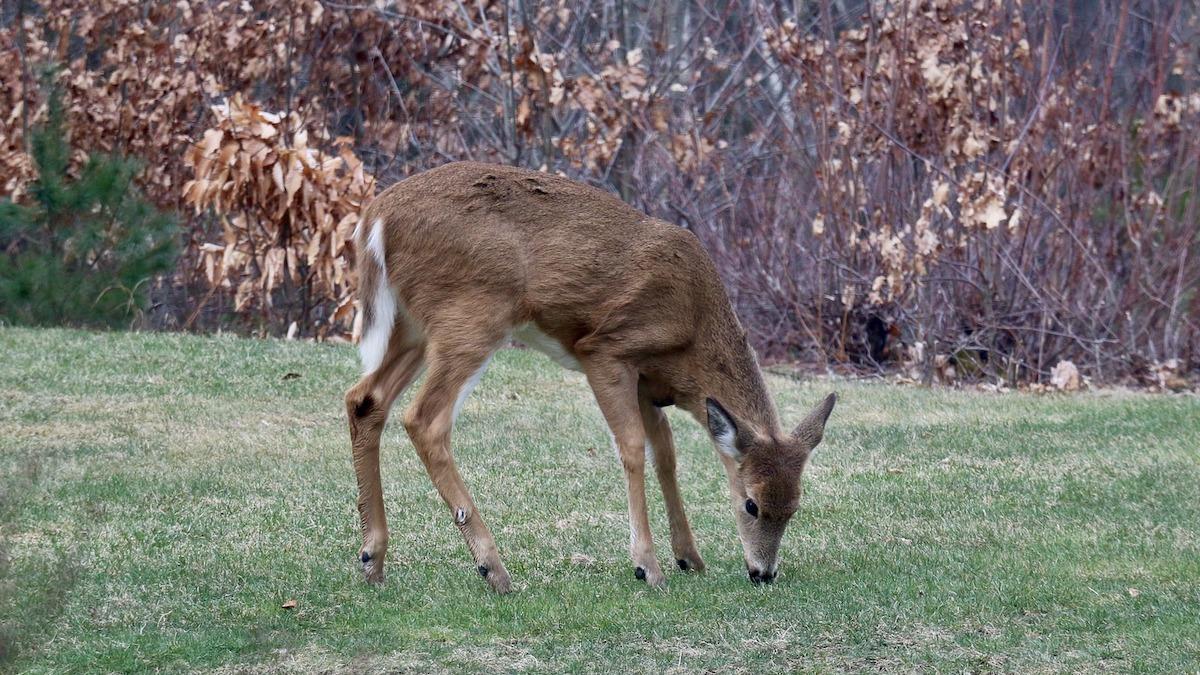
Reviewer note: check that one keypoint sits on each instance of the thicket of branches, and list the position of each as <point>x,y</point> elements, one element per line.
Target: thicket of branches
<point>997,184</point>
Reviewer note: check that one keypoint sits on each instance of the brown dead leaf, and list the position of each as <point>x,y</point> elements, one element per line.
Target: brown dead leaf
<point>212,141</point>
<point>1065,376</point>
<point>991,214</point>
<point>290,604</point>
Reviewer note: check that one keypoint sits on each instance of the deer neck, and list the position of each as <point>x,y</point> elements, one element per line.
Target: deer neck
<point>728,372</point>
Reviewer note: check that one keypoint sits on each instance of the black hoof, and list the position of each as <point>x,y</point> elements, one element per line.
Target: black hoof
<point>366,557</point>
<point>483,571</point>
<point>640,573</point>
<point>683,564</point>
<point>757,577</point>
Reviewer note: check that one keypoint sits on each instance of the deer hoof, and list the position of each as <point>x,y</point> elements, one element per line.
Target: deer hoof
<point>496,576</point>
<point>373,571</point>
<point>653,577</point>
<point>500,583</point>
<point>690,563</point>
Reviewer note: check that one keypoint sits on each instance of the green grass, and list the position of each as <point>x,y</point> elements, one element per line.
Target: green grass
<point>162,495</point>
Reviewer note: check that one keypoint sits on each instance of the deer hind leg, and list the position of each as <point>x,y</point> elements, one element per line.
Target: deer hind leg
<point>658,434</point>
<point>455,365</point>
<point>367,406</point>
<point>615,386</point>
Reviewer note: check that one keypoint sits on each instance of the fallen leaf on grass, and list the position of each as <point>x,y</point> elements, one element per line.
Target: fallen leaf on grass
<point>291,376</point>
<point>290,604</point>
<point>1133,592</point>
<point>1176,383</point>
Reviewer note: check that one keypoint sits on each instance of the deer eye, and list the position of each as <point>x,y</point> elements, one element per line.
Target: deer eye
<point>752,508</point>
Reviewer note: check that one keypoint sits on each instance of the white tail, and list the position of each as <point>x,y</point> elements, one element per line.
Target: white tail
<point>381,315</point>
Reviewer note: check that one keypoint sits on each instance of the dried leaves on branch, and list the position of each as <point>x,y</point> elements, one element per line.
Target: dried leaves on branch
<point>287,210</point>
<point>983,188</point>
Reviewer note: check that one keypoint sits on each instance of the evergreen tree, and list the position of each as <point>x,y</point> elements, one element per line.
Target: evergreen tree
<point>83,250</point>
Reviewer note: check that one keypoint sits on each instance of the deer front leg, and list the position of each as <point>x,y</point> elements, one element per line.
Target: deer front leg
<point>615,387</point>
<point>658,432</point>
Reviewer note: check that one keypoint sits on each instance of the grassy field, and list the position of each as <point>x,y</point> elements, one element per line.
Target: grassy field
<point>161,496</point>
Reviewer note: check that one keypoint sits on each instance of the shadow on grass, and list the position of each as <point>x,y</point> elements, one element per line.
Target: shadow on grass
<point>35,594</point>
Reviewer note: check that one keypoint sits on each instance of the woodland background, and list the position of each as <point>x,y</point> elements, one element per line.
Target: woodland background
<point>952,190</point>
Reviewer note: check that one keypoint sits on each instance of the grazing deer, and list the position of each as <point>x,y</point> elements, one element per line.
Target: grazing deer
<point>457,261</point>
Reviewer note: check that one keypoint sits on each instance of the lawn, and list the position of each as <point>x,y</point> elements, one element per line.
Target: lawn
<point>162,496</point>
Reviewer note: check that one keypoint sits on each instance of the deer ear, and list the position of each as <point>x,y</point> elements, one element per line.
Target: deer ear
<point>723,429</point>
<point>812,428</point>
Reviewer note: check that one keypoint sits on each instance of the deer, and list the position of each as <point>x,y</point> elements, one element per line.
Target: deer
<point>464,259</point>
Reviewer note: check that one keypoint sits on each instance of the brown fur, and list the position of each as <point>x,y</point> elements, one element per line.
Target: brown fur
<point>474,250</point>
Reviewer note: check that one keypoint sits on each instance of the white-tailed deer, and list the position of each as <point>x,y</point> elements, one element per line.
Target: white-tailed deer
<point>455,262</point>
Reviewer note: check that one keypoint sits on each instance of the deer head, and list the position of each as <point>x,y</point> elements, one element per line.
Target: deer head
<point>764,479</point>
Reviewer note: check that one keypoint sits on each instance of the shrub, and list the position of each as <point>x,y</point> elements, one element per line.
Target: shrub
<point>287,211</point>
<point>995,185</point>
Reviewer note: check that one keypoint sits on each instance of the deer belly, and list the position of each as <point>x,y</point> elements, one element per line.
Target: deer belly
<point>529,335</point>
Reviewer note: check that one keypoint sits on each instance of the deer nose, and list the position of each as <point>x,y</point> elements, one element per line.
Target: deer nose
<point>758,576</point>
